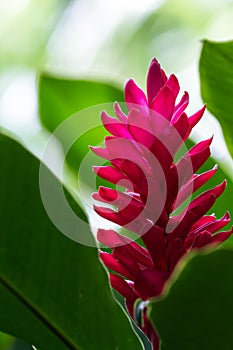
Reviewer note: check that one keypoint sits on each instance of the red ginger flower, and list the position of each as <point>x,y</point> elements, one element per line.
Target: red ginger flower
<point>141,153</point>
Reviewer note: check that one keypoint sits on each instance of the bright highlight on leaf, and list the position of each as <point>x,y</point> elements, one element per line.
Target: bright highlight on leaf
<point>141,152</point>
<point>216,76</point>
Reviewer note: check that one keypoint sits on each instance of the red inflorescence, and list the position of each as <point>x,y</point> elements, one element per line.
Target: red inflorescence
<point>141,153</point>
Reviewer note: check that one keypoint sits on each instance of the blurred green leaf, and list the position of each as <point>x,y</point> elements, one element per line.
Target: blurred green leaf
<point>59,99</point>
<point>54,293</point>
<point>216,74</point>
<point>170,32</point>
<point>5,341</point>
<point>196,313</point>
<point>20,345</point>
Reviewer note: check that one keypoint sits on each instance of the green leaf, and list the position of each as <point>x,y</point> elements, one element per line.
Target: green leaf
<point>60,98</point>
<point>216,74</point>
<point>54,293</point>
<point>197,311</point>
<point>21,345</point>
<point>5,341</point>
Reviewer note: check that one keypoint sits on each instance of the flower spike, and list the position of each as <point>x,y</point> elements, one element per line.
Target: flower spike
<point>141,152</point>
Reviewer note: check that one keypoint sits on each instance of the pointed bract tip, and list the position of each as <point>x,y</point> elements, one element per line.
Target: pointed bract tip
<point>94,195</point>
<point>116,107</point>
<point>202,110</point>
<point>219,189</point>
<point>186,95</point>
<point>103,113</point>
<point>154,61</point>
<point>95,168</point>
<point>208,141</point>
<point>227,216</point>
<point>129,81</point>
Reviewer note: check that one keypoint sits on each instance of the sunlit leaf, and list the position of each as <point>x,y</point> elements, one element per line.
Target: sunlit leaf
<point>216,73</point>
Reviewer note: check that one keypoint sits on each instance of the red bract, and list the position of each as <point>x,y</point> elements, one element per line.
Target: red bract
<point>141,153</point>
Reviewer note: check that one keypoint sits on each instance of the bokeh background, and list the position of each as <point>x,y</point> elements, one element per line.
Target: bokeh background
<point>103,40</point>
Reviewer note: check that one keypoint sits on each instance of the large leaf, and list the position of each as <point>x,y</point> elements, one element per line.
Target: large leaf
<point>54,293</point>
<point>197,312</point>
<point>216,73</point>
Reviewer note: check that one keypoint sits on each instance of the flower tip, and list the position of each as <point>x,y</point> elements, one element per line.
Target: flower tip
<point>220,188</point>
<point>154,61</point>
<point>211,138</point>
<point>109,237</point>
<point>119,113</point>
<point>95,207</point>
<point>103,114</point>
<point>224,182</point>
<point>134,95</point>
<point>227,216</point>
<point>116,107</point>
<point>129,82</point>
<point>106,119</point>
<point>186,96</point>
<point>196,117</point>
<point>95,195</point>
<point>102,234</point>
<point>95,169</point>
<point>209,141</point>
<point>102,190</point>
<point>202,110</point>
